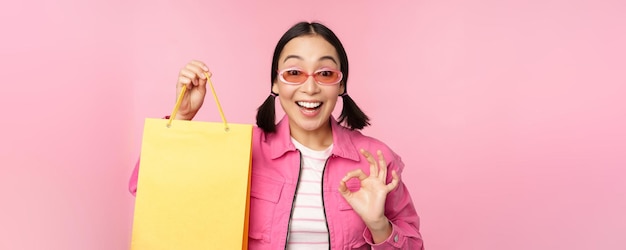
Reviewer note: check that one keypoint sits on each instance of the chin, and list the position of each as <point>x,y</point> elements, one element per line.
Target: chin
<point>311,124</point>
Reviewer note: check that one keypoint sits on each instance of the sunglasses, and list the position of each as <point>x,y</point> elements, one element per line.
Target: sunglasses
<point>295,76</point>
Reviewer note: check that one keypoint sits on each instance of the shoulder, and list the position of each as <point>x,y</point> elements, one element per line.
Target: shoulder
<point>371,144</point>
<point>268,139</point>
<point>258,136</point>
<point>359,139</point>
<point>257,132</point>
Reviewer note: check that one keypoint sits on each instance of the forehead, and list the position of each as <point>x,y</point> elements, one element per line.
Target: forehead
<point>309,48</point>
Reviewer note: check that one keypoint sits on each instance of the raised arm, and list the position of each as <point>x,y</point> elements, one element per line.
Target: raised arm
<point>193,76</point>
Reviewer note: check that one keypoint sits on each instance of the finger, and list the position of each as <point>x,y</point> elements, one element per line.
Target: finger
<point>183,81</point>
<point>394,182</point>
<point>382,166</point>
<point>343,189</point>
<point>194,78</point>
<point>205,72</point>
<point>357,173</point>
<point>372,161</point>
<point>195,81</point>
<point>191,74</point>
<point>197,70</point>
<point>201,65</point>
<point>204,80</point>
<point>200,74</point>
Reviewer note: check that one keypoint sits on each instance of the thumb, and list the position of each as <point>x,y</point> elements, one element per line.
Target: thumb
<point>204,79</point>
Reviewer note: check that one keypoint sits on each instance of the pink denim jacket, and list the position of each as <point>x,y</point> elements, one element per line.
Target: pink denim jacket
<point>275,172</point>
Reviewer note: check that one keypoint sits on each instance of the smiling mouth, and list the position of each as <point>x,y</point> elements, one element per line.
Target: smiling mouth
<point>309,105</point>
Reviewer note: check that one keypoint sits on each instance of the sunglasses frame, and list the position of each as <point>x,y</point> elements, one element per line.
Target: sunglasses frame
<point>314,75</point>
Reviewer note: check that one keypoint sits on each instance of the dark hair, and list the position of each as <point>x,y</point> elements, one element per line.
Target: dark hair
<point>351,114</point>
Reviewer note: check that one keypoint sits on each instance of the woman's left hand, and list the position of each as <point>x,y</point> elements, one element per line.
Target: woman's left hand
<point>369,201</point>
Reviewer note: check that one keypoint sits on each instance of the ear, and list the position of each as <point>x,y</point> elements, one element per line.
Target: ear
<point>275,87</point>
<point>342,88</point>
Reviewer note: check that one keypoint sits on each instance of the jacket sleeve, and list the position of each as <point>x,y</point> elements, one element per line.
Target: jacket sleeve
<point>401,212</point>
<point>132,183</point>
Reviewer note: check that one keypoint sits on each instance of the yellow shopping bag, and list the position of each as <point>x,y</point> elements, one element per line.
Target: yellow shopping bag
<point>193,185</point>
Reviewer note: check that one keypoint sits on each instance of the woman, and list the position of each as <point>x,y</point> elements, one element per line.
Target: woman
<point>315,184</point>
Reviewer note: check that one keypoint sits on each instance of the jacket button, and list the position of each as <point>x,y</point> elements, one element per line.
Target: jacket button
<point>395,238</point>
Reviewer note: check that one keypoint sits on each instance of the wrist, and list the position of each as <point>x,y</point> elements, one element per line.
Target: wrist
<point>380,230</point>
<point>186,117</point>
<point>380,225</point>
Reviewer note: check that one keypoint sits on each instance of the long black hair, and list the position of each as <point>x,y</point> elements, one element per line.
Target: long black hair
<point>351,114</point>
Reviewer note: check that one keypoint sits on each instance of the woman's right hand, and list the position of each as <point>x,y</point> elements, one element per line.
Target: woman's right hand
<point>192,76</point>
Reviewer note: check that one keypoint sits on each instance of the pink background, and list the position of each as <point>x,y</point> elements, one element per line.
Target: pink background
<point>509,115</point>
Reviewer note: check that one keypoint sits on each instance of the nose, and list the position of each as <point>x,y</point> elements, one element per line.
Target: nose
<point>310,86</point>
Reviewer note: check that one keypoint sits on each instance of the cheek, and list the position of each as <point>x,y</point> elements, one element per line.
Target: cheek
<point>333,94</point>
<point>284,91</point>
<point>331,99</point>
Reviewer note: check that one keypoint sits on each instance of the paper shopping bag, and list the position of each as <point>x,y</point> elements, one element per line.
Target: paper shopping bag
<point>193,186</point>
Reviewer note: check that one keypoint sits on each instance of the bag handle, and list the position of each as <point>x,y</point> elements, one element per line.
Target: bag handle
<point>180,99</point>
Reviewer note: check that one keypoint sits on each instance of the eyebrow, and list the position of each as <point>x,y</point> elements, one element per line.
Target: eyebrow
<point>321,58</point>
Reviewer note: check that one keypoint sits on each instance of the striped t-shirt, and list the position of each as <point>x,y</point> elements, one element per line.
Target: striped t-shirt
<point>308,228</point>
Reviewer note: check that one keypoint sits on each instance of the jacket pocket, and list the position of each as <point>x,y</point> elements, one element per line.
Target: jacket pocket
<point>351,223</point>
<point>264,196</point>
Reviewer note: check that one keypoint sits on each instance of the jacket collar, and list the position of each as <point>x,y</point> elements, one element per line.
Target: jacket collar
<point>342,143</point>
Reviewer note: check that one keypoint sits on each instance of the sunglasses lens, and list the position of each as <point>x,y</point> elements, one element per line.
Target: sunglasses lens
<point>327,76</point>
<point>294,76</point>
<point>297,76</point>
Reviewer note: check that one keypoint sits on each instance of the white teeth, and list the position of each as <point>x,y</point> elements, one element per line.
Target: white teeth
<point>310,105</point>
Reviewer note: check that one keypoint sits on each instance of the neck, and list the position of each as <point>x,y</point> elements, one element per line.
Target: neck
<point>318,139</point>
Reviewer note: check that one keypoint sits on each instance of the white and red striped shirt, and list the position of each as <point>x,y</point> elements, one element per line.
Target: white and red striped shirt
<point>308,228</point>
